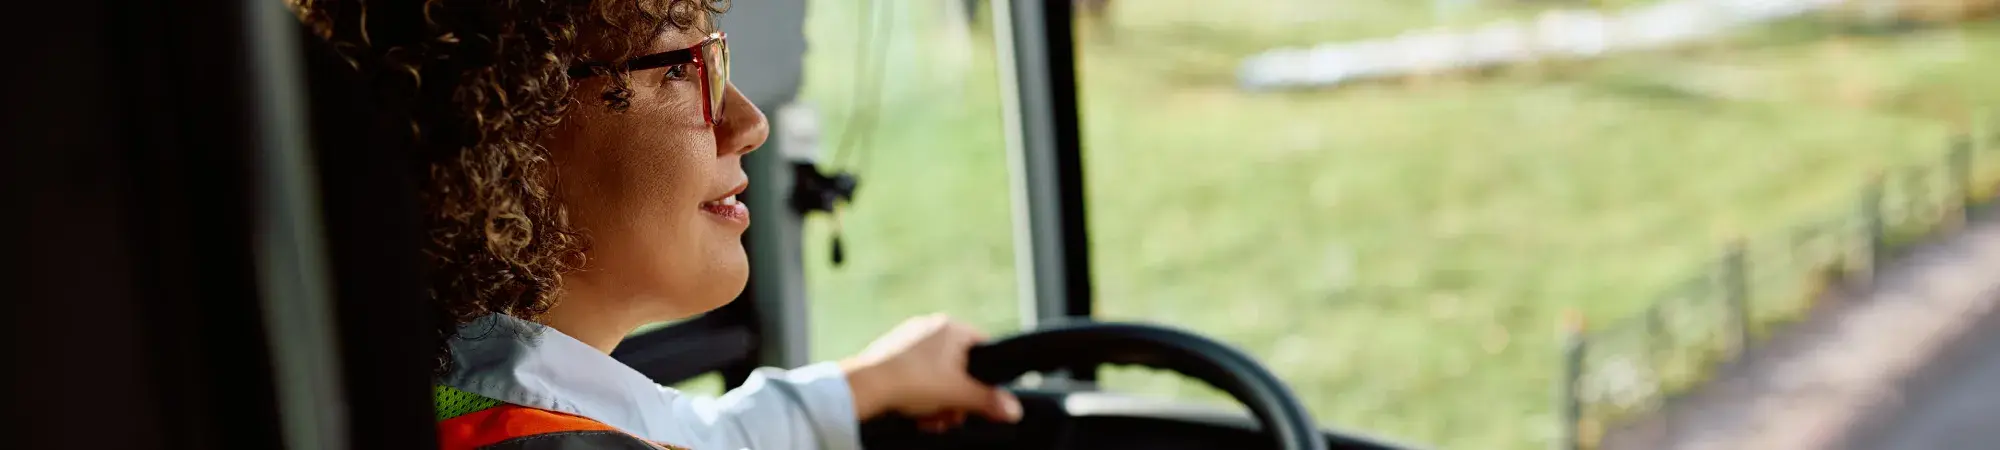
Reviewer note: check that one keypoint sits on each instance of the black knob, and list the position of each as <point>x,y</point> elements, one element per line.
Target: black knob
<point>839,254</point>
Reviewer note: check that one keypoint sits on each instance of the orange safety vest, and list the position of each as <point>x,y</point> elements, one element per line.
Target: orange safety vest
<point>468,421</point>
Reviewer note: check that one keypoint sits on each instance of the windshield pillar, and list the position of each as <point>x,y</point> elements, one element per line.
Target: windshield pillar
<point>1038,98</point>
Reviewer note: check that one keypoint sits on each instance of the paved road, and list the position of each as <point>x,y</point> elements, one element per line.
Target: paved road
<point>1954,406</point>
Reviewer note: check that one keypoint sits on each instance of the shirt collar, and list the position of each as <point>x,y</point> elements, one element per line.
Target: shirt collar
<point>529,364</point>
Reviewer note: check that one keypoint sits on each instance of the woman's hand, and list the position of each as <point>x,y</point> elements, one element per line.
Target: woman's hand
<point>918,370</point>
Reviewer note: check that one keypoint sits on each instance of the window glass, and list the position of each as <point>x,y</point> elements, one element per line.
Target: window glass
<point>1401,245</point>
<point>709,384</point>
<point>908,100</point>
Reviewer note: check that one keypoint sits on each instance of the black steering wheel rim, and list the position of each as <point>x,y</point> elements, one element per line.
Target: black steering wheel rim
<point>1090,344</point>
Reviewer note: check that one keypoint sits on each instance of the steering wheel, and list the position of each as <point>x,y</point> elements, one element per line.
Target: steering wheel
<point>1280,416</point>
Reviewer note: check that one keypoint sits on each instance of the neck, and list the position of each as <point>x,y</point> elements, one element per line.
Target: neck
<point>601,321</point>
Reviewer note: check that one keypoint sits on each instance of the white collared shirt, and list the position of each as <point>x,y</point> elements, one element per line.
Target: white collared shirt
<point>528,364</point>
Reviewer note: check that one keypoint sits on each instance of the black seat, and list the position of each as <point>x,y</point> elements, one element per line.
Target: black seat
<point>372,226</point>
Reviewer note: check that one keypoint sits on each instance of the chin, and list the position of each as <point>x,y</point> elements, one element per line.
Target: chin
<point>727,279</point>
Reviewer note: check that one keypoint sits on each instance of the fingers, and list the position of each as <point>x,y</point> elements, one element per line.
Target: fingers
<point>993,403</point>
<point>926,358</point>
<point>940,323</point>
<point>933,321</point>
<point>1001,406</point>
<point>963,329</point>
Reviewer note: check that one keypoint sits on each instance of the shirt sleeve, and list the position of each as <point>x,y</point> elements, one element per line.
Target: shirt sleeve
<point>809,408</point>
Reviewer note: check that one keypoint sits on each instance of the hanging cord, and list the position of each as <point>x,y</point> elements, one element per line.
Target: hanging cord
<point>864,110</point>
<point>818,191</point>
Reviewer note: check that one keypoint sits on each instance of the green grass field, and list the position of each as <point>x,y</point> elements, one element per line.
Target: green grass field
<point>1400,253</point>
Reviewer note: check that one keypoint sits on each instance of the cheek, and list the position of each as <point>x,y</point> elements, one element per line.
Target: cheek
<point>660,154</point>
<point>634,181</point>
<point>664,170</point>
<point>636,165</point>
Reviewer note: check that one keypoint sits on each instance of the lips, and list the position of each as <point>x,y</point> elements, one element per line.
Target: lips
<point>728,207</point>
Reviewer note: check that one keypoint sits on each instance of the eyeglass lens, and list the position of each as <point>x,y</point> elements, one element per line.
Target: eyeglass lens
<point>716,56</point>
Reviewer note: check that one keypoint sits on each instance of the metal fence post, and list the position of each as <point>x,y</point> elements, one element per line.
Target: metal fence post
<point>1961,177</point>
<point>1736,286</point>
<point>1874,226</point>
<point>1569,402</point>
<point>1993,125</point>
<point>1656,343</point>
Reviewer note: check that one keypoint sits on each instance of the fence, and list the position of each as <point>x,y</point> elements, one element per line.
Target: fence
<point>1634,365</point>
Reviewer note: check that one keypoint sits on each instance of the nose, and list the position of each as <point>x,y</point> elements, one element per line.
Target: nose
<point>743,127</point>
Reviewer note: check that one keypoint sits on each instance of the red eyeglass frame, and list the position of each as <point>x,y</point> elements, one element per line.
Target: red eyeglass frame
<point>710,57</point>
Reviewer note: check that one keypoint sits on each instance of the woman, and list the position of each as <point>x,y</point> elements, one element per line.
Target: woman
<point>581,160</point>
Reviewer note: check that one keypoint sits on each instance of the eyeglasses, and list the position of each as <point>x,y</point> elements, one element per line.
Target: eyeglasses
<point>711,57</point>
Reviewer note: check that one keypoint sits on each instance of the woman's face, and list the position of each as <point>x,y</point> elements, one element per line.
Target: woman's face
<point>647,187</point>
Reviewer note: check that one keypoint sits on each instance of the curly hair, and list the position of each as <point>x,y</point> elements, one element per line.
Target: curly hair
<point>478,82</point>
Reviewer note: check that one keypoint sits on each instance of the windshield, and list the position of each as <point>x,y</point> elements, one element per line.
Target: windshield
<point>1396,204</point>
